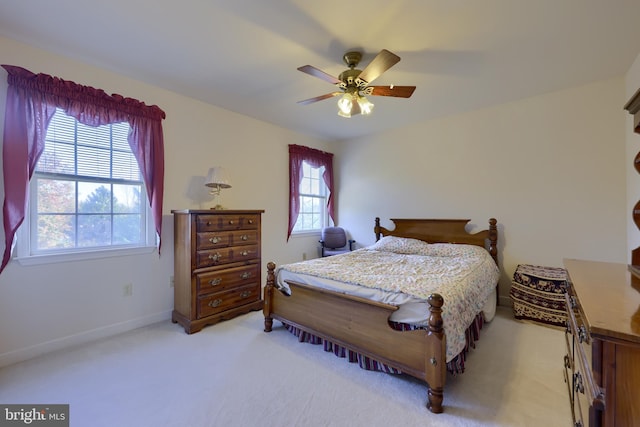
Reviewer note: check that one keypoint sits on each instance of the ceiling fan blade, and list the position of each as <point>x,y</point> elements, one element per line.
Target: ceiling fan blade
<point>381,63</point>
<point>315,72</point>
<point>319,98</point>
<point>397,91</point>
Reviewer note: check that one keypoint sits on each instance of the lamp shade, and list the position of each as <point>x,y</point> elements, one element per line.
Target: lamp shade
<point>352,103</point>
<point>218,178</point>
<point>345,104</point>
<point>366,106</point>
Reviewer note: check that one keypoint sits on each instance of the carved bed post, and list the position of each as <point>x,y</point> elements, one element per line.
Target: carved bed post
<point>436,366</point>
<point>268,296</point>
<point>376,229</point>
<point>493,239</point>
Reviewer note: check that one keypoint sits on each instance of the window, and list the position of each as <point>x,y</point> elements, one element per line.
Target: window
<point>32,101</point>
<point>313,200</point>
<point>310,189</point>
<point>86,192</point>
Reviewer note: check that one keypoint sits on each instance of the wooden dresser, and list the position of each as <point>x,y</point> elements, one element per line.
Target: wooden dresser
<point>602,365</point>
<point>217,273</point>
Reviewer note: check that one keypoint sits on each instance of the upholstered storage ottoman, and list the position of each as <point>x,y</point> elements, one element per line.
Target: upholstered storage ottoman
<point>538,292</point>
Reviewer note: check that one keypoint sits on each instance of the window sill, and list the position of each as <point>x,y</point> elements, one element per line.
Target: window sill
<point>313,233</point>
<point>82,256</point>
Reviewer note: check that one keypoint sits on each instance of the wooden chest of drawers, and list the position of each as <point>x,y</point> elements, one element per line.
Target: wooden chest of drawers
<point>602,365</point>
<point>217,272</point>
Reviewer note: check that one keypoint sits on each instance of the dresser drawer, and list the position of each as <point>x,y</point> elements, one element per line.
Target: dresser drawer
<point>216,281</point>
<point>210,258</point>
<point>231,298</point>
<point>213,257</point>
<point>244,237</point>
<point>244,253</point>
<point>208,240</point>
<point>227,222</point>
<point>585,391</point>
<point>575,378</point>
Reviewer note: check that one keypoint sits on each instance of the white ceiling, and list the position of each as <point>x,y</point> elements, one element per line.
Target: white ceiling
<point>242,55</point>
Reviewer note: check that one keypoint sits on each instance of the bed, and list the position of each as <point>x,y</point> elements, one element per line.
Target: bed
<point>362,326</point>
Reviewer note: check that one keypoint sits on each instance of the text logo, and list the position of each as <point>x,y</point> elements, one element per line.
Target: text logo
<point>34,415</point>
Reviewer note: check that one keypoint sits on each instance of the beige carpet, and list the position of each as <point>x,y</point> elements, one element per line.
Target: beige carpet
<point>233,374</point>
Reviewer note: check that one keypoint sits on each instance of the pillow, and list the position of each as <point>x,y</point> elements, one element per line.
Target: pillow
<point>455,250</point>
<point>400,245</point>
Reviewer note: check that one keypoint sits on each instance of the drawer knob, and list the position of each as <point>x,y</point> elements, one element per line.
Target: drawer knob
<point>577,382</point>
<point>582,333</point>
<point>250,221</point>
<point>245,275</point>
<point>245,253</point>
<point>208,223</point>
<point>245,294</point>
<point>433,361</point>
<point>215,282</point>
<point>214,239</point>
<point>214,303</point>
<point>244,237</point>
<point>215,257</point>
<point>230,222</point>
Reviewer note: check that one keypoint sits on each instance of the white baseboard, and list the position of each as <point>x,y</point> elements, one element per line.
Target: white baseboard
<point>15,356</point>
<point>505,301</point>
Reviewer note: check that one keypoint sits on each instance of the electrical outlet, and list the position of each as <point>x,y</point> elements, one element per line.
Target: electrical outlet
<point>171,281</point>
<point>127,290</point>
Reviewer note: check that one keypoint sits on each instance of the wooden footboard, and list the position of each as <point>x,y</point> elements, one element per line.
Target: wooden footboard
<point>363,326</point>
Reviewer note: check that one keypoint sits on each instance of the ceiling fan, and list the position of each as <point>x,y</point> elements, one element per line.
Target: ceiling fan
<point>354,83</point>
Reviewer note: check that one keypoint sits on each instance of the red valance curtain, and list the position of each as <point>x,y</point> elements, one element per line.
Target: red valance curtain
<point>315,158</point>
<point>31,102</point>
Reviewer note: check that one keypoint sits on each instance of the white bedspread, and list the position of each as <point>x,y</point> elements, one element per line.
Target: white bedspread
<point>404,272</point>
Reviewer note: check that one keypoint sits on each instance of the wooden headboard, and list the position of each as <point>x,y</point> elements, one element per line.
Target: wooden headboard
<point>443,231</point>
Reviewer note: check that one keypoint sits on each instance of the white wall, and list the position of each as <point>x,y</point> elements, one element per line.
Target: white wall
<point>45,307</point>
<point>550,169</point>
<point>632,83</point>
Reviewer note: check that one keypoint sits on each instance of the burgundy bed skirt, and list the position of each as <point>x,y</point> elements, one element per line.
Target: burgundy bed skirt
<point>455,366</point>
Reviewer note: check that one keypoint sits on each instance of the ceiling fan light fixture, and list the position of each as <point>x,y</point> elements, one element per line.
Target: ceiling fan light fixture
<point>366,106</point>
<point>345,104</point>
<point>346,115</point>
<point>353,84</point>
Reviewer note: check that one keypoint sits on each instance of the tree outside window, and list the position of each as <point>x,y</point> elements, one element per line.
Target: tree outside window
<point>88,189</point>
